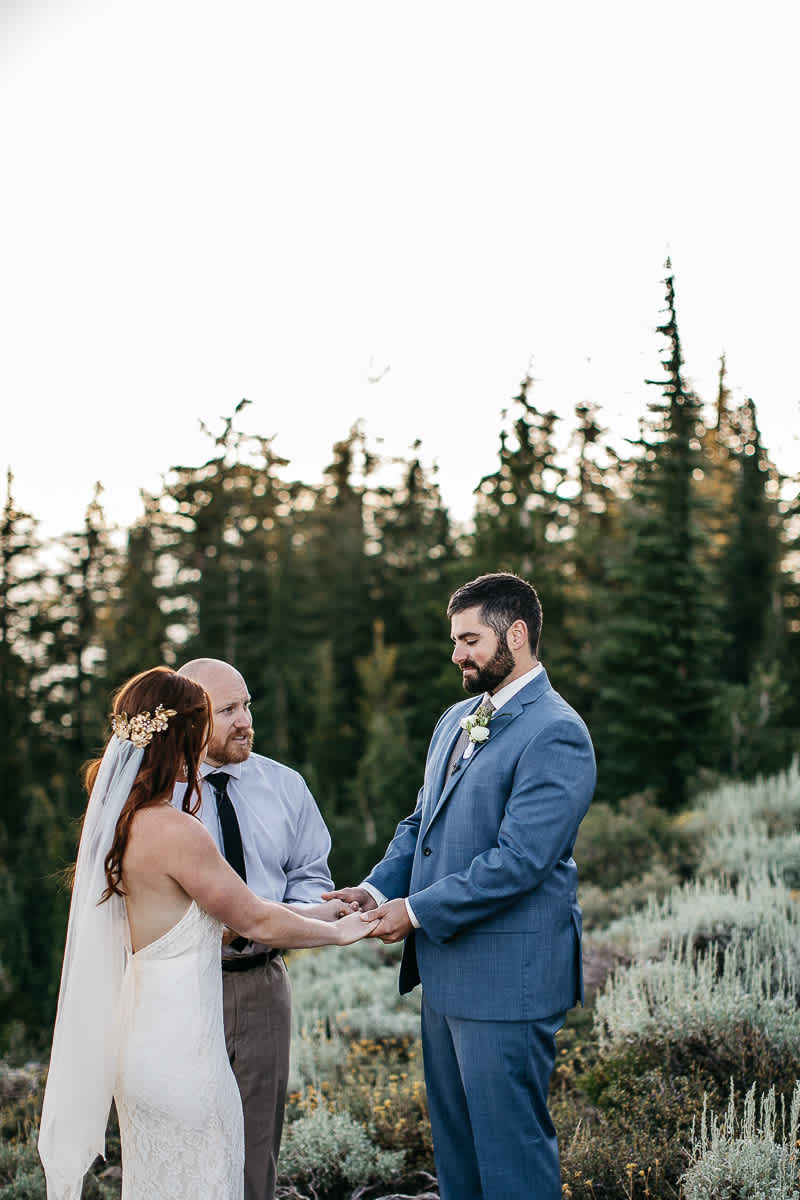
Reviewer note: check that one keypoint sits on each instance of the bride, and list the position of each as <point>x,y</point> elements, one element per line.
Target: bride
<point>140,1004</point>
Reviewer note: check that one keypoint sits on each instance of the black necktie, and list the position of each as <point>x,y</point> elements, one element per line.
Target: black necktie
<point>231,834</point>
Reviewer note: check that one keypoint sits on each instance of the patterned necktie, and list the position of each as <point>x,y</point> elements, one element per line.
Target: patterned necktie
<point>463,739</point>
<point>231,834</point>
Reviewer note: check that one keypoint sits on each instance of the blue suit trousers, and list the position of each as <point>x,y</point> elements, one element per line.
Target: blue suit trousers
<point>487,1085</point>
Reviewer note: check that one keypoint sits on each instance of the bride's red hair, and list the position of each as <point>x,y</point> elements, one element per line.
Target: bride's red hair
<point>172,754</point>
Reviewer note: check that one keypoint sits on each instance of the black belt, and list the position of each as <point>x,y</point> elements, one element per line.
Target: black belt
<point>248,962</point>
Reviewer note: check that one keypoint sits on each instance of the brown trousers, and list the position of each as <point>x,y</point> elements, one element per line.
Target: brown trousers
<point>257,1008</point>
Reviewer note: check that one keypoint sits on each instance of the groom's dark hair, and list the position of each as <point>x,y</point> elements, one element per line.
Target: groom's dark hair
<point>502,598</point>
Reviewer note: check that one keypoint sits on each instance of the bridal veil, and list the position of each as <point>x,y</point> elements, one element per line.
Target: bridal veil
<point>83,1062</point>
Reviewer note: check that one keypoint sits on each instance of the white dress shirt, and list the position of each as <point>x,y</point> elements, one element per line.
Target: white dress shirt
<point>500,697</point>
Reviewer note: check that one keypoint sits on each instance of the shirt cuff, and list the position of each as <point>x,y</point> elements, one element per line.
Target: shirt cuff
<point>377,896</point>
<point>411,915</point>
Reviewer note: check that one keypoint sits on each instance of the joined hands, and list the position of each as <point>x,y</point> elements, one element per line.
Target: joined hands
<point>391,920</point>
<point>331,910</point>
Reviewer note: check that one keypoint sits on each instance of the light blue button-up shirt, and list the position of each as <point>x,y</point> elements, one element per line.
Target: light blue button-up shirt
<point>285,840</point>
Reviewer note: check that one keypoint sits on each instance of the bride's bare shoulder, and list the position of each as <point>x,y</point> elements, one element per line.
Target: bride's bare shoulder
<point>160,823</point>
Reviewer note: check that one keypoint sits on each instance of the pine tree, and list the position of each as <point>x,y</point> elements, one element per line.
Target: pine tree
<point>789,507</point>
<point>73,624</point>
<point>137,634</point>
<point>226,535</point>
<point>330,720</point>
<point>656,661</point>
<point>752,708</point>
<point>379,793</point>
<point>201,513</point>
<point>716,477</point>
<point>595,489</point>
<point>752,556</point>
<point>337,610</point>
<point>414,568</point>
<point>33,914</point>
<point>37,837</point>
<point>521,516</point>
<point>20,579</point>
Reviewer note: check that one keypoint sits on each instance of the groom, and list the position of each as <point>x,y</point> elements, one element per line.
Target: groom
<point>480,882</point>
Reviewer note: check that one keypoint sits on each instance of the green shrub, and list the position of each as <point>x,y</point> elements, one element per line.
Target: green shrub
<point>380,1084</point>
<point>616,845</point>
<point>774,800</point>
<point>688,1000</point>
<point>626,1118</point>
<point>743,1158</point>
<point>622,1121</point>
<point>601,907</point>
<point>354,991</point>
<point>711,911</point>
<point>337,999</point>
<point>317,1054</point>
<point>749,850</point>
<point>21,1175</point>
<point>329,1151</point>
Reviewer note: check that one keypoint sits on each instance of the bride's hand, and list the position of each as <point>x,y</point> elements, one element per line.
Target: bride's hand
<point>331,910</point>
<point>352,928</point>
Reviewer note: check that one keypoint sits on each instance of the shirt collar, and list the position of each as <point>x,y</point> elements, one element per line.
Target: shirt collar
<point>232,769</point>
<point>504,694</point>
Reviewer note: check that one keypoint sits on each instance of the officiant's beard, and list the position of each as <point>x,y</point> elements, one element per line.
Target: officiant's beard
<point>489,676</point>
<point>235,748</point>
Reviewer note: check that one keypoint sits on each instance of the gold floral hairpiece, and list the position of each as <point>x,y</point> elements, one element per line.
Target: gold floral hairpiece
<point>140,729</point>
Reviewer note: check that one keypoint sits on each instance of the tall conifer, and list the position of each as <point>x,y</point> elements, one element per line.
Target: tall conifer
<point>414,568</point>
<point>594,497</point>
<point>656,660</point>
<point>520,516</point>
<point>20,579</point>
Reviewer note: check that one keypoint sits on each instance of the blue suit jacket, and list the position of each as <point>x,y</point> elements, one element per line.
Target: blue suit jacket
<point>486,861</point>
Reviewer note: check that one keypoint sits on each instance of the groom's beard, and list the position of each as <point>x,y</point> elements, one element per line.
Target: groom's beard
<point>486,679</point>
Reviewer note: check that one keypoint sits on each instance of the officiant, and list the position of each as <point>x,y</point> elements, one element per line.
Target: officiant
<point>265,821</point>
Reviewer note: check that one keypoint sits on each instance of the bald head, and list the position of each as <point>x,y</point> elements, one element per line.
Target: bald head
<point>232,738</point>
<point>209,672</point>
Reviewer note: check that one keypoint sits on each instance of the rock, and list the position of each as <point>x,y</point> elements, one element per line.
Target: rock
<point>599,960</point>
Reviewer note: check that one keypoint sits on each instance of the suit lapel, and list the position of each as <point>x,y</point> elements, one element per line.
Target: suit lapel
<point>499,722</point>
<point>440,778</point>
<point>449,782</point>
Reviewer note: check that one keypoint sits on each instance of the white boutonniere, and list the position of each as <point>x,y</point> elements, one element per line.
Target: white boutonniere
<point>477,725</point>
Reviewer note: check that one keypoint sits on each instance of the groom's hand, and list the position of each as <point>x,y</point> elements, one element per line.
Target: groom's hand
<point>394,923</point>
<point>353,895</point>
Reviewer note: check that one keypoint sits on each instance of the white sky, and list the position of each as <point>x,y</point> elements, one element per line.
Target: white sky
<point>201,202</point>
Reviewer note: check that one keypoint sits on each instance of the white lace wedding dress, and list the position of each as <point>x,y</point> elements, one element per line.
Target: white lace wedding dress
<point>179,1109</point>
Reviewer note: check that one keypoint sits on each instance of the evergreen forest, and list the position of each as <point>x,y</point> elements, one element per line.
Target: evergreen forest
<point>668,578</point>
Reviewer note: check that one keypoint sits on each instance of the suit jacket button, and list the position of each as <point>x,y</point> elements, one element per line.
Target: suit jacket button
<point>427,851</point>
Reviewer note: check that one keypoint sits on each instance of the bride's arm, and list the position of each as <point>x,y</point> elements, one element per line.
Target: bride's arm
<point>196,864</point>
